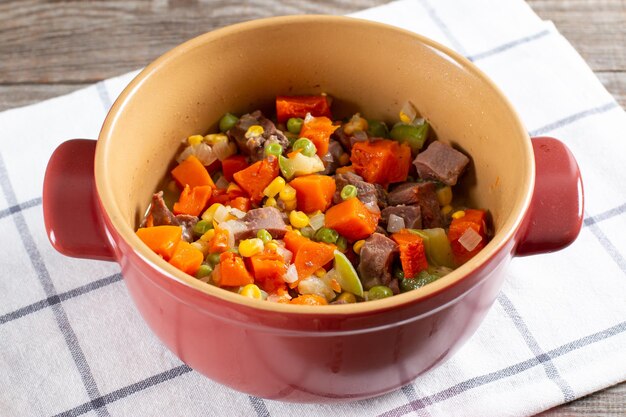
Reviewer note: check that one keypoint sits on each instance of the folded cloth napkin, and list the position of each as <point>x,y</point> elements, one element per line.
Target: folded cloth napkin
<point>72,343</point>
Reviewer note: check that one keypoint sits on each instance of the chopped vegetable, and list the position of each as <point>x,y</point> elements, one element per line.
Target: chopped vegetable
<point>233,164</point>
<point>256,177</point>
<point>191,172</point>
<point>377,129</point>
<point>227,122</point>
<point>412,252</point>
<point>423,278</point>
<point>314,192</point>
<point>309,300</point>
<point>351,219</point>
<point>412,135</point>
<point>472,219</point>
<point>240,203</point>
<point>348,191</point>
<point>204,271</point>
<point>326,235</point>
<point>273,149</point>
<point>264,235</point>
<point>202,227</point>
<point>294,240</point>
<point>318,130</point>
<point>346,275</point>
<point>250,247</point>
<point>311,256</point>
<point>379,292</point>
<point>187,258</point>
<point>233,272</point>
<point>294,125</point>
<point>193,201</point>
<point>438,250</point>
<point>298,106</point>
<point>268,269</point>
<point>381,162</point>
<point>298,219</point>
<point>251,291</point>
<point>305,146</point>
<point>219,243</point>
<point>298,164</point>
<point>161,239</point>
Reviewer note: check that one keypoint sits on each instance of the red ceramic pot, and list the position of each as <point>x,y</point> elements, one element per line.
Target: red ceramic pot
<point>95,194</point>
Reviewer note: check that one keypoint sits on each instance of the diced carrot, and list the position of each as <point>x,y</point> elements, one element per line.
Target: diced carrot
<point>268,270</point>
<point>351,219</point>
<point>219,196</point>
<point>193,201</point>
<point>233,164</point>
<point>318,130</point>
<point>314,192</point>
<point>309,300</point>
<point>257,176</point>
<point>381,161</point>
<point>299,106</point>
<point>412,252</point>
<point>233,272</point>
<point>234,191</point>
<point>187,258</point>
<point>474,219</point>
<point>311,256</point>
<point>161,239</point>
<point>293,241</point>
<point>240,203</point>
<point>219,243</point>
<point>193,173</point>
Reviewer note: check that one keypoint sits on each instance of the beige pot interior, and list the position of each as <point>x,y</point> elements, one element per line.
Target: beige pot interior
<point>365,66</point>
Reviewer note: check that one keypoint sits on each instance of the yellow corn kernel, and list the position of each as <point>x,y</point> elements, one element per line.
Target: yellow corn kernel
<point>357,246</point>
<point>404,118</point>
<point>298,219</point>
<point>251,291</point>
<point>288,193</point>
<point>344,159</point>
<point>274,187</point>
<point>233,187</point>
<point>297,232</point>
<point>458,214</point>
<point>271,246</point>
<point>444,195</point>
<point>355,123</point>
<point>290,205</point>
<point>250,247</point>
<point>214,138</point>
<point>195,139</point>
<point>210,212</point>
<point>254,131</point>
<point>320,273</point>
<point>270,202</point>
<point>208,236</point>
<point>445,210</point>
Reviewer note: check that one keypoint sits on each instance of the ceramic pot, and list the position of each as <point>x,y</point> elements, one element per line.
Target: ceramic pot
<point>96,193</point>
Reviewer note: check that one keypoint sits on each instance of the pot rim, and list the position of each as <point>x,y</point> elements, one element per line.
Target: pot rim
<point>124,231</point>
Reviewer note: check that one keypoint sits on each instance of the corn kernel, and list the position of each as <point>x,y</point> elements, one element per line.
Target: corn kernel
<point>358,245</point>
<point>274,187</point>
<point>320,273</point>
<point>233,188</point>
<point>290,205</point>
<point>288,193</point>
<point>214,138</point>
<point>298,219</point>
<point>195,139</point>
<point>271,246</point>
<point>270,202</point>
<point>444,195</point>
<point>254,131</point>
<point>355,123</point>
<point>404,118</point>
<point>344,159</point>
<point>208,236</point>
<point>445,210</point>
<point>210,212</point>
<point>458,214</point>
<point>250,247</point>
<point>251,291</point>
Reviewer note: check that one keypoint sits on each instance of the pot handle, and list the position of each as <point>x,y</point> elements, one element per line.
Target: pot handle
<point>556,209</point>
<point>70,208</point>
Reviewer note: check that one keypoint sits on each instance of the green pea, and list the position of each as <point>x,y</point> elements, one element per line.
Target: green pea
<point>379,292</point>
<point>227,122</point>
<point>414,136</point>
<point>398,272</point>
<point>348,191</point>
<point>294,124</point>
<point>377,129</point>
<point>342,244</point>
<point>213,259</point>
<point>326,235</point>
<point>346,297</point>
<point>202,227</point>
<point>305,146</point>
<point>273,149</point>
<point>204,270</point>
<point>423,278</point>
<point>264,235</point>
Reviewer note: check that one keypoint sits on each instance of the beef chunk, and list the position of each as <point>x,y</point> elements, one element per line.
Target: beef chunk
<point>268,218</point>
<point>440,162</point>
<point>331,159</point>
<point>366,192</point>
<point>412,215</point>
<point>162,216</point>
<point>255,147</point>
<point>347,141</point>
<point>377,256</point>
<point>422,194</point>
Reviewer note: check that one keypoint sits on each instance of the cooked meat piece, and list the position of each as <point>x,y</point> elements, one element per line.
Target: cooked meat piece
<point>381,230</point>
<point>381,195</point>
<point>268,218</point>
<point>347,141</point>
<point>440,162</point>
<point>162,216</point>
<point>394,285</point>
<point>422,194</point>
<point>412,215</point>
<point>366,192</point>
<point>255,146</point>
<point>377,256</point>
<point>331,159</point>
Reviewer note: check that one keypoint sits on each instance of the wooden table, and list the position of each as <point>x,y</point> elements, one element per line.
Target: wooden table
<point>49,48</point>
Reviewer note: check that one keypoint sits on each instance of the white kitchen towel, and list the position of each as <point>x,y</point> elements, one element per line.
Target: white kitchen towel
<point>71,342</point>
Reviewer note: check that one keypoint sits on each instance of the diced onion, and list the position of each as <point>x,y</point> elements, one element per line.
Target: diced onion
<point>395,223</point>
<point>408,113</point>
<point>359,136</point>
<point>221,214</point>
<point>291,275</point>
<point>372,207</point>
<point>308,118</point>
<point>237,213</point>
<point>223,150</point>
<point>275,298</point>
<point>285,253</point>
<point>470,239</point>
<point>221,183</point>
<point>202,151</point>
<point>317,221</point>
<point>233,227</point>
<point>315,285</point>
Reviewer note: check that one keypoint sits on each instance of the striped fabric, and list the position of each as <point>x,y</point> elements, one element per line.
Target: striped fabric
<point>72,343</point>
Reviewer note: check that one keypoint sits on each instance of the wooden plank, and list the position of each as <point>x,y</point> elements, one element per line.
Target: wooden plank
<point>18,95</point>
<point>606,403</point>
<point>615,82</point>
